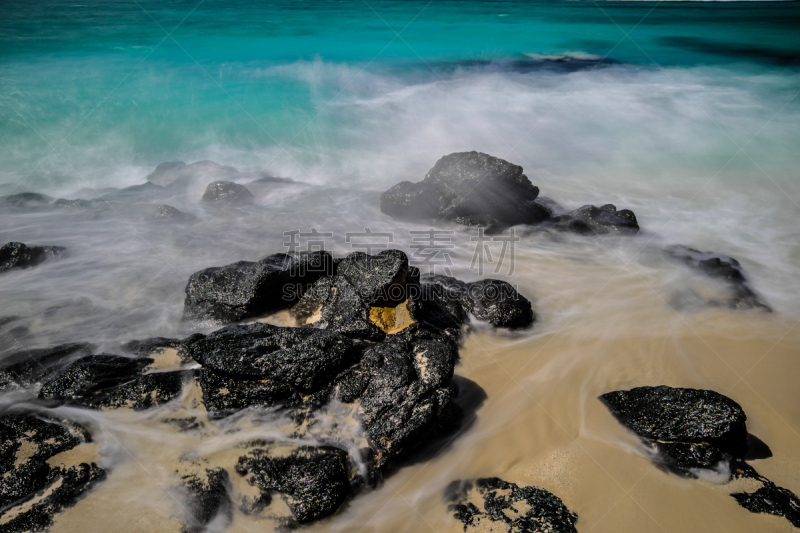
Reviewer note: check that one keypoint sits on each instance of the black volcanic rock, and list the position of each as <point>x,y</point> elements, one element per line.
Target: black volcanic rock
<point>228,192</point>
<point>379,280</point>
<point>36,482</point>
<point>464,187</point>
<point>489,504</point>
<point>301,357</point>
<point>769,498</point>
<point>489,300</point>
<point>224,394</point>
<point>674,415</point>
<point>87,376</point>
<point>206,498</point>
<point>143,392</point>
<point>249,289</point>
<point>313,481</point>
<point>592,220</point>
<point>18,255</point>
<point>723,268</point>
<point>27,367</point>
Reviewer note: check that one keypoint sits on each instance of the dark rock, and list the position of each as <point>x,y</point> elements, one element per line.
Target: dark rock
<point>25,199</point>
<point>146,347</point>
<point>468,187</point>
<point>332,303</point>
<point>489,300</point>
<point>379,280</point>
<point>769,498</point>
<point>301,357</point>
<point>591,220</point>
<point>207,497</point>
<point>408,397</point>
<point>481,503</point>
<point>246,289</point>
<point>314,481</point>
<point>228,192</point>
<point>167,212</point>
<point>723,268</point>
<point>36,482</point>
<point>144,392</point>
<point>223,394</point>
<point>30,366</point>
<point>688,416</point>
<point>18,255</point>
<point>72,204</point>
<point>84,378</point>
<point>435,314</point>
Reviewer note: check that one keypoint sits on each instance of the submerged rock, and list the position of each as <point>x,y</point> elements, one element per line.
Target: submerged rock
<point>487,504</point>
<point>27,367</point>
<point>144,392</point>
<point>25,199</point>
<point>250,289</point>
<point>488,300</point>
<point>167,212</point>
<point>228,192</point>
<point>39,478</point>
<point>592,220</point>
<point>465,185</point>
<point>87,376</point>
<point>313,481</point>
<point>63,203</point>
<point>723,268</point>
<point>18,255</point>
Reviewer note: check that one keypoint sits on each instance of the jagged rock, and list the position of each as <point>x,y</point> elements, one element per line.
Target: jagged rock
<point>313,481</point>
<point>36,480</point>
<point>18,255</point>
<point>249,289</point>
<point>489,300</point>
<point>489,504</point>
<point>592,220</point>
<point>228,192</point>
<point>223,394</point>
<point>379,280</point>
<point>723,268</point>
<point>144,392</point>
<point>25,199</point>
<point>207,497</point>
<point>404,392</point>
<point>301,357</point>
<point>468,187</point>
<point>87,376</point>
<point>30,366</point>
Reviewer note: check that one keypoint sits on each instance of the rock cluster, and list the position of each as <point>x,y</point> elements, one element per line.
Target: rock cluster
<point>688,430</point>
<point>477,189</point>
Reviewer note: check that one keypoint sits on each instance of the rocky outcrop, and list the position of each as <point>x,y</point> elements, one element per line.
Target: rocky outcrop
<point>227,192</point>
<point>476,189</point>
<point>45,465</point>
<point>15,255</point>
<point>489,504</point>
<point>249,289</point>
<point>488,300</point>
<point>724,269</point>
<point>687,430</point>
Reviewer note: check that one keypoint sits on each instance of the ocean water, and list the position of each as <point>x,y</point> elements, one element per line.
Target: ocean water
<point>685,112</point>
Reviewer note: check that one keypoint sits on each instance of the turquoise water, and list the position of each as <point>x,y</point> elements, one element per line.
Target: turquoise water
<point>118,87</point>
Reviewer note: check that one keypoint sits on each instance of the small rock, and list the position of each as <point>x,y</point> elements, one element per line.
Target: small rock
<point>207,497</point>
<point>591,220</point>
<point>314,481</point>
<point>17,255</point>
<point>487,504</point>
<point>167,212</point>
<point>228,192</point>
